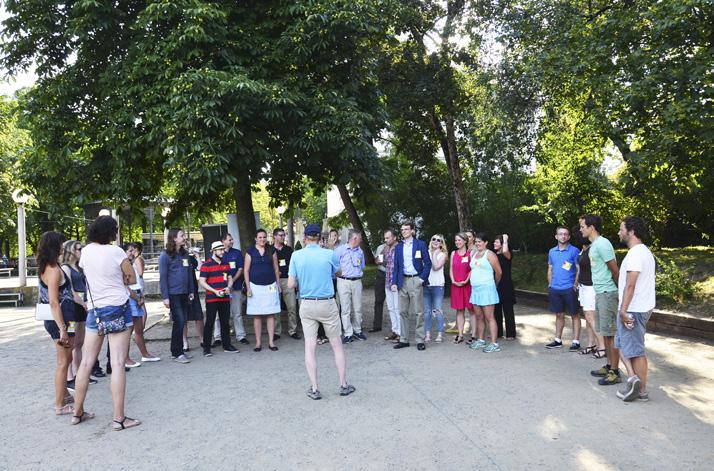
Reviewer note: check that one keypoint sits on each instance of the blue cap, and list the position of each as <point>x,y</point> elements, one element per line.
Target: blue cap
<point>313,230</point>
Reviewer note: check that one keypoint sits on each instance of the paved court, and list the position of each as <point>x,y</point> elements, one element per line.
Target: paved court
<point>445,408</point>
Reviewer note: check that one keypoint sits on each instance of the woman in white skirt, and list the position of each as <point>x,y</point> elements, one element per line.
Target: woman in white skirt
<point>263,292</point>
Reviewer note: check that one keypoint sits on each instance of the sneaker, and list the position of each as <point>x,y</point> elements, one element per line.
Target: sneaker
<point>574,347</point>
<point>216,343</point>
<point>296,336</point>
<point>93,381</point>
<point>186,349</point>
<point>554,344</point>
<point>359,336</point>
<point>347,390</point>
<point>427,337</point>
<point>244,341</point>
<point>492,347</point>
<point>182,359</point>
<point>207,353</point>
<point>187,356</point>
<point>439,338</point>
<point>602,371</point>
<point>346,340</point>
<point>613,377</point>
<point>477,344</point>
<point>276,336</point>
<point>631,390</point>
<point>231,349</point>
<point>314,394</point>
<point>643,396</point>
<point>98,372</point>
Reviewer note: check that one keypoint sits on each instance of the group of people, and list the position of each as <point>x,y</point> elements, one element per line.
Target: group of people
<point>616,301</point>
<point>97,291</point>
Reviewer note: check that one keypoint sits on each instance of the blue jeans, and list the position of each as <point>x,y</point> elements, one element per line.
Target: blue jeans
<point>433,301</point>
<point>179,305</point>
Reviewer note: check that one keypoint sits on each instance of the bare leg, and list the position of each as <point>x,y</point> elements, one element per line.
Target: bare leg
<point>559,325</point>
<point>271,330</point>
<point>119,343</point>
<point>258,328</point>
<point>460,321</point>
<point>576,327</point>
<point>480,322</point>
<point>474,321</point>
<point>340,362</point>
<point>139,336</point>
<point>628,366</point>
<point>128,348</point>
<point>640,367</point>
<point>311,361</point>
<point>613,354</point>
<point>92,345</point>
<point>64,358</point>
<point>76,351</point>
<point>199,328</point>
<point>595,338</point>
<point>491,321</point>
<point>185,335</point>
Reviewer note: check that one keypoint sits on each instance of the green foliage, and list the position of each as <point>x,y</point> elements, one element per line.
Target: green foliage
<point>675,283</point>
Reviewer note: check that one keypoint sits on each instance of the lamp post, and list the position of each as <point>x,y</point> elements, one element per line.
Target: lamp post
<point>164,214</point>
<point>20,198</point>
<point>281,211</point>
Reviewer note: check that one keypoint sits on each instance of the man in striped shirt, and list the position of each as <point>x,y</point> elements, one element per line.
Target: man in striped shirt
<point>214,279</point>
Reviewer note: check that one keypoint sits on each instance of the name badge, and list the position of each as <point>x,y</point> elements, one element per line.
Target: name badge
<point>464,259</point>
<point>232,265</point>
<point>225,277</point>
<point>272,288</point>
<point>71,327</point>
<point>567,265</point>
<point>478,263</point>
<point>281,262</point>
<point>357,262</point>
<point>417,254</point>
<point>185,262</point>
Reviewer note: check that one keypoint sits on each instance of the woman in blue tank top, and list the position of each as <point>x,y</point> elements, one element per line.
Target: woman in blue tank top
<point>485,275</point>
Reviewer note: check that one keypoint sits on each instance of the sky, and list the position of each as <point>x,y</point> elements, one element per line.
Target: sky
<point>9,85</point>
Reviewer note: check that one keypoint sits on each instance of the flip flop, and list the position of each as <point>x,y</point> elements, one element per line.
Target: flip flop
<point>64,410</point>
<point>78,419</point>
<point>121,424</point>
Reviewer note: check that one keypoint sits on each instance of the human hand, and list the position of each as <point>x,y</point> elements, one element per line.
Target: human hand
<point>167,304</point>
<point>505,237</point>
<point>190,297</point>
<point>627,321</point>
<point>248,292</point>
<point>64,338</point>
<point>393,288</point>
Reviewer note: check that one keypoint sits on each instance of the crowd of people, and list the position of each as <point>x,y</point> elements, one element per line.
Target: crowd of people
<point>97,291</point>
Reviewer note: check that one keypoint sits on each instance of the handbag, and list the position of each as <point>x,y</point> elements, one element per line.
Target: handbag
<point>43,312</point>
<point>111,323</point>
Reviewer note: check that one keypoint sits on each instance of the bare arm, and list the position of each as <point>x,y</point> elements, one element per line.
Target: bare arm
<point>550,273</point>
<point>629,292</point>
<point>493,260</point>
<point>577,276</point>
<point>276,268</point>
<point>246,273</point>
<point>437,264</point>
<point>128,272</point>
<point>505,249</point>
<point>53,278</point>
<point>140,264</point>
<point>238,274</point>
<point>451,268</point>
<point>612,265</point>
<point>292,282</point>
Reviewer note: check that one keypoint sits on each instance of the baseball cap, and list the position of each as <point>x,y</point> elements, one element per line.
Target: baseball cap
<point>217,245</point>
<point>313,230</point>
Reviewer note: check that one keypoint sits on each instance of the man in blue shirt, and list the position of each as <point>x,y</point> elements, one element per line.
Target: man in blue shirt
<point>233,258</point>
<point>563,270</point>
<point>412,266</point>
<point>311,271</point>
<point>349,286</point>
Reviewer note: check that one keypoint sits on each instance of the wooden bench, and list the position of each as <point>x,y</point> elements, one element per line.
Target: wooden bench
<point>16,299</point>
<point>6,271</point>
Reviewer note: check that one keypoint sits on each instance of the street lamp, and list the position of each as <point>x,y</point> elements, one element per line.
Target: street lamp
<point>20,198</point>
<point>164,214</point>
<point>281,210</point>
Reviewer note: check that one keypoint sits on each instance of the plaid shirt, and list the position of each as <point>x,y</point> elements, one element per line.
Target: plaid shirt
<point>388,255</point>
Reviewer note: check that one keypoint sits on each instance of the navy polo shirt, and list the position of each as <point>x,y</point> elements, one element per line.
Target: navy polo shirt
<point>565,266</point>
<point>234,259</point>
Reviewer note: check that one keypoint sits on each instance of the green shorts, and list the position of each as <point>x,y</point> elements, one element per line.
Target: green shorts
<point>606,313</point>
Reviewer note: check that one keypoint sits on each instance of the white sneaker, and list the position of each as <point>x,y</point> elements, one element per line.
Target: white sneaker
<point>149,359</point>
<point>427,337</point>
<point>439,338</point>
<point>182,359</point>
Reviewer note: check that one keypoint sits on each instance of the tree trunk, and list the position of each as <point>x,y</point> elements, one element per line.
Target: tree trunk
<point>448,146</point>
<point>244,211</point>
<point>356,222</point>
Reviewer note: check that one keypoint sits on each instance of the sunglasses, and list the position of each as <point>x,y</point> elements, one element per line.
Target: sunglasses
<point>436,239</point>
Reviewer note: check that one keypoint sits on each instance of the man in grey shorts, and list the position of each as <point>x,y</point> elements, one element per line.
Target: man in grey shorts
<point>636,301</point>
<point>603,267</point>
<point>311,271</point>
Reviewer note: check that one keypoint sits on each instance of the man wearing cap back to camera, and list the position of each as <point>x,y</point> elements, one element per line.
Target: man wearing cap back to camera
<point>215,275</point>
<point>311,271</point>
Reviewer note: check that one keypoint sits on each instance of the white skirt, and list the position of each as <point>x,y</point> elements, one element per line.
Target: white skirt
<point>265,300</point>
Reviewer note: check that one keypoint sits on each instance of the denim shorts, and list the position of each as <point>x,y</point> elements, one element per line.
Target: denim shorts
<point>562,300</point>
<point>105,311</point>
<point>134,308</point>
<point>631,342</point>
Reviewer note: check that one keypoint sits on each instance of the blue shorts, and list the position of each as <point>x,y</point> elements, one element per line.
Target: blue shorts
<point>484,295</point>
<point>631,342</point>
<point>134,308</point>
<point>105,311</point>
<point>563,300</point>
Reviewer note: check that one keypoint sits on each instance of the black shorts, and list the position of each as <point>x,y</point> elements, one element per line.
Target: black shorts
<point>195,312</point>
<point>80,314</point>
<point>53,330</point>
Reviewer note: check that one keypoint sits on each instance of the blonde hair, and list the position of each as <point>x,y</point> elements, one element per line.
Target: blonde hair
<point>68,254</point>
<point>444,249</point>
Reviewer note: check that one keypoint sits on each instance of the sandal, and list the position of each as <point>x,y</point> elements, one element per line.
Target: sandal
<point>257,349</point>
<point>589,350</point>
<point>459,339</point>
<point>123,425</point>
<point>64,410</point>
<point>322,340</point>
<point>599,354</point>
<point>314,394</point>
<point>78,419</point>
<point>273,348</point>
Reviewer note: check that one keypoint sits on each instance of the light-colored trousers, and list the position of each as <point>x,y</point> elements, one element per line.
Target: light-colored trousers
<point>290,301</point>
<point>350,293</point>
<point>236,315</point>
<point>392,298</point>
<point>411,304</point>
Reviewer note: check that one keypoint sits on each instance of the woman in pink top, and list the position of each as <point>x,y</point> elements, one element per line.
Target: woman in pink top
<point>460,286</point>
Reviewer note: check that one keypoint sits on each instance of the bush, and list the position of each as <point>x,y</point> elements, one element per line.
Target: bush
<point>674,283</point>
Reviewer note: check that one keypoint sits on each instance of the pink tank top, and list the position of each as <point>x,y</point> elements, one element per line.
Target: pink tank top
<point>460,265</point>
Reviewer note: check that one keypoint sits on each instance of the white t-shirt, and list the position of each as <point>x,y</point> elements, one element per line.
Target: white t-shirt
<point>102,268</point>
<point>639,259</point>
<point>436,277</point>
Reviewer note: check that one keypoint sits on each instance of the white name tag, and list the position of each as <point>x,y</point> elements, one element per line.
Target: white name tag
<point>567,265</point>
<point>417,254</point>
<point>464,259</point>
<point>185,262</point>
<point>232,265</point>
<point>281,262</point>
<point>272,288</point>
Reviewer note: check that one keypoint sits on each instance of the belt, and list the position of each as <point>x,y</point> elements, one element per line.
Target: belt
<point>409,276</point>
<point>350,279</point>
<point>317,299</point>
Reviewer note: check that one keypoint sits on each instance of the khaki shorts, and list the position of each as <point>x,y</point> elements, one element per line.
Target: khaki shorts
<point>606,316</point>
<point>316,312</point>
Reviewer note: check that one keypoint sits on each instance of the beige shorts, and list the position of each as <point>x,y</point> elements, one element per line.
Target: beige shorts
<point>325,312</point>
